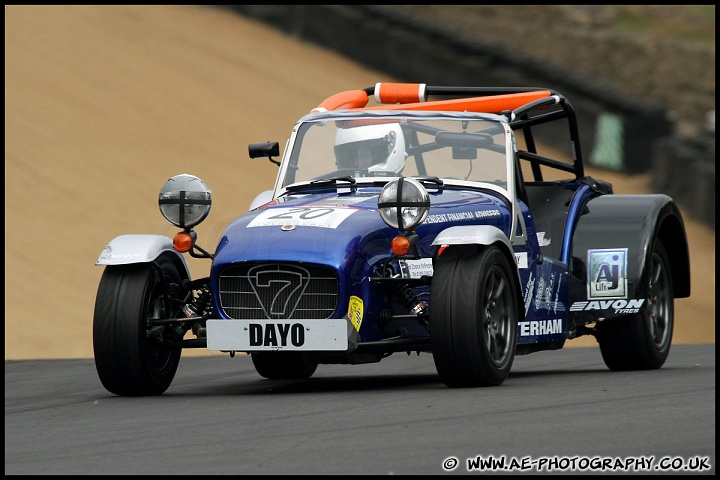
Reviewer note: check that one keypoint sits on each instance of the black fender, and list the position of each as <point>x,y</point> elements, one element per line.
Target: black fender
<point>618,222</point>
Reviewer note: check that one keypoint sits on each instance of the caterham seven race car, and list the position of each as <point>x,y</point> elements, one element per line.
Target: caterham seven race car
<point>430,221</point>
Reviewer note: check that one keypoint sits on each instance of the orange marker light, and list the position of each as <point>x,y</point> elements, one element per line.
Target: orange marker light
<point>182,242</point>
<point>400,245</point>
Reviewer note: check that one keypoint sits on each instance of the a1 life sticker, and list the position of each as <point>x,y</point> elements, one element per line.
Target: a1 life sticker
<point>607,273</point>
<point>355,312</point>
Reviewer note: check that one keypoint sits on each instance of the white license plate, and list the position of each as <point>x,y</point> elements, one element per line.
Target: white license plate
<point>274,335</point>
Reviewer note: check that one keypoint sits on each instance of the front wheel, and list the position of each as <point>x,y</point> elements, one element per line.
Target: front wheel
<point>642,342</point>
<point>473,317</point>
<point>131,358</point>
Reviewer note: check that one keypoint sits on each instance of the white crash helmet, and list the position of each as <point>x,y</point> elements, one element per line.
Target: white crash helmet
<point>377,148</point>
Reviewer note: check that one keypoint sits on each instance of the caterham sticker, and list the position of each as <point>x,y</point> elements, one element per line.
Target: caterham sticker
<point>540,327</point>
<point>607,273</point>
<point>325,217</point>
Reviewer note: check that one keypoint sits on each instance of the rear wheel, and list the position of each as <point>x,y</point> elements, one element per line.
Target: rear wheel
<point>283,365</point>
<point>130,357</point>
<point>642,342</point>
<point>473,317</point>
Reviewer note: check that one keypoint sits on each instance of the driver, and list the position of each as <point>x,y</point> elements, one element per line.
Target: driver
<point>375,148</point>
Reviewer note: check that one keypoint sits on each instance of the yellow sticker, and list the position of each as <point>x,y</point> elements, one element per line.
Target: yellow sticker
<point>355,312</point>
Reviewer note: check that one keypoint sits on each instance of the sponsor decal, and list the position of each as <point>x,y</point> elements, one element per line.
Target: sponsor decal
<point>521,259</point>
<point>125,255</point>
<point>557,298</point>
<point>436,218</point>
<point>619,306</point>
<point>418,268</point>
<point>607,273</point>
<point>544,297</point>
<point>549,294</point>
<point>460,216</point>
<point>542,241</point>
<point>324,217</point>
<point>355,312</point>
<point>276,335</point>
<point>487,214</point>
<point>540,293</point>
<point>527,295</point>
<point>342,201</point>
<point>540,327</point>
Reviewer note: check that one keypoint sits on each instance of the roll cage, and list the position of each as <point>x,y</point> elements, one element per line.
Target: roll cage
<point>526,108</point>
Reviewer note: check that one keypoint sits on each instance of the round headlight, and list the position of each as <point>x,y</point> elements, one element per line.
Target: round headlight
<point>185,200</point>
<point>404,203</point>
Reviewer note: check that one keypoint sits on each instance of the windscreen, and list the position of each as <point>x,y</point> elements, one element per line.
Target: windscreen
<point>375,147</point>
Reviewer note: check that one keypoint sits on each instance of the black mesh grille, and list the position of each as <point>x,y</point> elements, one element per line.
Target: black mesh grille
<point>278,291</point>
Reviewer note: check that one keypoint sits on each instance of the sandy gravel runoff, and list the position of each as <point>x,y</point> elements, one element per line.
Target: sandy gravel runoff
<point>104,103</point>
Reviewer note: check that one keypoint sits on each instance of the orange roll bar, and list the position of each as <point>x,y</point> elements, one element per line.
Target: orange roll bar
<point>490,104</point>
<point>347,99</point>
<point>390,93</point>
<point>413,96</point>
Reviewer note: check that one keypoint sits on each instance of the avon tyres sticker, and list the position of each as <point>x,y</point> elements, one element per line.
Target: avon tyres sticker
<point>618,307</point>
<point>324,217</point>
<point>607,273</point>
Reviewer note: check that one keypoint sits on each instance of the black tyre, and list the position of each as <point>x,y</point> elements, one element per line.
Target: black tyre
<point>130,358</point>
<point>473,316</point>
<point>642,342</point>
<point>283,365</point>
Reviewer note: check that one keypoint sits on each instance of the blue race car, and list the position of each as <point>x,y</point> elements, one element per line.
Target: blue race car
<point>431,221</point>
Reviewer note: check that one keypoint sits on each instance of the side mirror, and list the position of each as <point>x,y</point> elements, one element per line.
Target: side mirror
<point>266,149</point>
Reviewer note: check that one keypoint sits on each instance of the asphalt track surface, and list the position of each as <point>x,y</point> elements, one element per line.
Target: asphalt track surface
<point>393,417</point>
